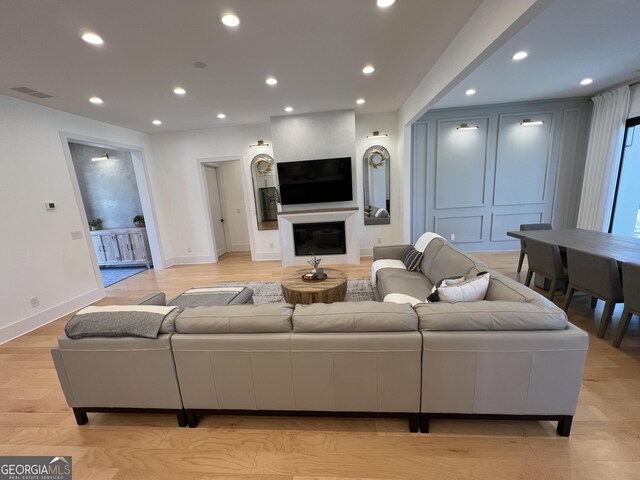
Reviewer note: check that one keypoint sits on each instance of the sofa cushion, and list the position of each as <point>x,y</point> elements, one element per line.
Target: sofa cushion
<point>269,318</point>
<point>411,259</point>
<point>490,315</point>
<point>354,317</point>
<point>429,254</point>
<point>378,265</point>
<point>449,262</point>
<point>414,284</point>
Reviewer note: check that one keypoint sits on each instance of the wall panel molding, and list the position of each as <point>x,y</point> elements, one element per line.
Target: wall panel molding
<point>527,176</point>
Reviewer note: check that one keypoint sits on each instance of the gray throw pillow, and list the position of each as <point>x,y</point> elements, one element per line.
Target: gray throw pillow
<point>411,259</point>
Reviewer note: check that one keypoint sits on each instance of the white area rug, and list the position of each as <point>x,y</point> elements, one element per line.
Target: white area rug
<point>358,290</point>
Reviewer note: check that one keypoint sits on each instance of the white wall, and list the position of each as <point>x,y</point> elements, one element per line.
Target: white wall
<point>37,254</point>
<point>178,155</point>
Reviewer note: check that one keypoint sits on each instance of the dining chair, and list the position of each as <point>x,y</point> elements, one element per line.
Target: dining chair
<point>597,276</point>
<point>631,290</point>
<point>544,259</point>
<point>523,246</point>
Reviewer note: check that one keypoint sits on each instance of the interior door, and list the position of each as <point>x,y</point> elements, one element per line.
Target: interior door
<point>215,207</point>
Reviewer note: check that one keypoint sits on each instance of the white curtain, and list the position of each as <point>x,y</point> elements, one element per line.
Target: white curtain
<point>603,158</point>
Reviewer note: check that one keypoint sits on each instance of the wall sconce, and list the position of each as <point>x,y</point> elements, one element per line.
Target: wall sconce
<point>259,144</point>
<point>101,158</point>
<point>527,122</point>
<point>466,126</point>
<point>377,134</point>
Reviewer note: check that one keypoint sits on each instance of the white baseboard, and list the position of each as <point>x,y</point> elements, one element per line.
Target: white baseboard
<point>366,252</point>
<point>189,260</point>
<point>240,247</point>
<point>26,325</point>
<point>264,256</point>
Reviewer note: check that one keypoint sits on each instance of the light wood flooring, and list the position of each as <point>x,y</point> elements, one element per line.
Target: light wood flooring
<point>604,442</point>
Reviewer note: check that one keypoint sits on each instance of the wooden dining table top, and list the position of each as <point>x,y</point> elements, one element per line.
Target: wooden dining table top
<point>621,247</point>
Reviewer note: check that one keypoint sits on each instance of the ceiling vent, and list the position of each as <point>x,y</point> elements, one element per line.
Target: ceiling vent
<point>32,92</point>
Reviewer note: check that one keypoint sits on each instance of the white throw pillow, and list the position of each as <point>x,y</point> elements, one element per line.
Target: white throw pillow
<point>473,289</point>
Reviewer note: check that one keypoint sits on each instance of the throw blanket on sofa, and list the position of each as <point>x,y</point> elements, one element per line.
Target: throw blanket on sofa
<point>421,245</point>
<point>117,321</point>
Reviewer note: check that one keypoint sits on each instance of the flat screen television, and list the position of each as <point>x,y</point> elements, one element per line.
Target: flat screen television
<point>315,181</point>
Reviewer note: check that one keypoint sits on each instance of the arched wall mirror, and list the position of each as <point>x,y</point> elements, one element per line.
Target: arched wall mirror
<point>265,191</point>
<point>376,186</point>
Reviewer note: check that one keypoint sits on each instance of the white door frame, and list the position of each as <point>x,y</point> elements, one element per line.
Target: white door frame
<point>144,190</point>
<point>201,164</point>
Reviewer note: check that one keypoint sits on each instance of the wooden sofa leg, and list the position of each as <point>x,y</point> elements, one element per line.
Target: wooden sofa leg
<point>424,423</point>
<point>192,419</point>
<point>414,422</point>
<point>182,418</point>
<point>564,425</point>
<point>81,416</point>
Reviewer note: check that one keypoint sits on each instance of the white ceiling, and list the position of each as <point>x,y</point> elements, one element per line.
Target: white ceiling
<point>568,41</point>
<point>315,48</point>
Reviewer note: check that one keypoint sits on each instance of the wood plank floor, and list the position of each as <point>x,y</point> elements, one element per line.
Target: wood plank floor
<point>604,443</point>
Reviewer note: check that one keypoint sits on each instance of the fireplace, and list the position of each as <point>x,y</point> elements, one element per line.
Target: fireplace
<point>323,238</point>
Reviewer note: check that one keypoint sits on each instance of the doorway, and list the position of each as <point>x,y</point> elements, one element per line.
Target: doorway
<point>625,219</point>
<point>224,198</point>
<point>124,240</point>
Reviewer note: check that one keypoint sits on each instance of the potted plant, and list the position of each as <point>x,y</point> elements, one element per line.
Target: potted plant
<point>95,224</point>
<point>138,221</point>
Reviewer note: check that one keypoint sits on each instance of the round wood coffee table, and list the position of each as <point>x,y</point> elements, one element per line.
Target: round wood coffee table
<point>332,289</point>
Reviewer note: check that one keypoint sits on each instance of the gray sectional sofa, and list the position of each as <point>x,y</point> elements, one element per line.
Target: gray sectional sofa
<point>511,355</point>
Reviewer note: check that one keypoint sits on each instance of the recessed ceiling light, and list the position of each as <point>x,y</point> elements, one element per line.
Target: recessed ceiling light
<point>222,116</point>
<point>385,3</point>
<point>470,91</point>
<point>369,69</point>
<point>586,81</point>
<point>230,20</point>
<point>96,100</point>
<point>288,109</point>
<point>157,122</point>
<point>92,38</point>
<point>179,91</point>
<point>271,81</point>
<point>360,101</point>
<point>521,55</point>
<point>200,65</point>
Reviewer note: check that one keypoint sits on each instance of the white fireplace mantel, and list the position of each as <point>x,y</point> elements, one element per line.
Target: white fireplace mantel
<point>286,220</point>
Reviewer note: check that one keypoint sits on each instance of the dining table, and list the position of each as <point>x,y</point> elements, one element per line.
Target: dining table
<point>622,248</point>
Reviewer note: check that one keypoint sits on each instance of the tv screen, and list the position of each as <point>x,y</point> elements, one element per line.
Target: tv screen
<point>315,181</point>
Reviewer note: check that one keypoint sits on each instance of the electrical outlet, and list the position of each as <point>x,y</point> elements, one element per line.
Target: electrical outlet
<point>34,302</point>
<point>378,240</point>
<point>271,245</point>
<point>238,211</point>
<point>453,236</point>
<point>188,249</point>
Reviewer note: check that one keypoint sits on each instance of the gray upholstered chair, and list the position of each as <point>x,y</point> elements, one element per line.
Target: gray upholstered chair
<point>597,276</point>
<point>523,245</point>
<point>631,290</point>
<point>545,260</point>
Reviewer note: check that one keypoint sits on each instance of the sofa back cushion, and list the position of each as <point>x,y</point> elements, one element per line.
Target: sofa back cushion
<point>354,317</point>
<point>269,318</point>
<point>430,252</point>
<point>450,262</point>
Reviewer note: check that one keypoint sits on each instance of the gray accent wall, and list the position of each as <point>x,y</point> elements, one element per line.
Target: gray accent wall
<point>108,188</point>
<point>478,184</point>
<point>315,136</point>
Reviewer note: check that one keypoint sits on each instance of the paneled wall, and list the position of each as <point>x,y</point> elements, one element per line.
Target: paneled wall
<point>474,185</point>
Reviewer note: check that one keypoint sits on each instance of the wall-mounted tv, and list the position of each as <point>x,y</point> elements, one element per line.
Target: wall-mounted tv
<point>315,181</point>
